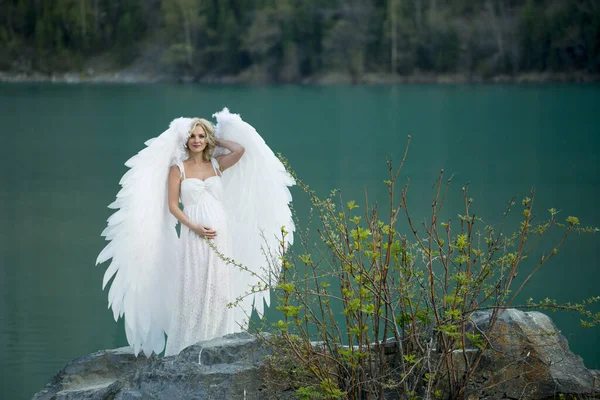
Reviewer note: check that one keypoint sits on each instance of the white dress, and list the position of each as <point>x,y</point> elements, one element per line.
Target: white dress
<point>202,286</point>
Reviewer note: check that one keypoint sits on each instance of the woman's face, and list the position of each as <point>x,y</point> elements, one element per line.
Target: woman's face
<point>197,140</point>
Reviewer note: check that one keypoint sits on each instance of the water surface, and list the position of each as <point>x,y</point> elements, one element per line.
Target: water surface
<point>63,149</point>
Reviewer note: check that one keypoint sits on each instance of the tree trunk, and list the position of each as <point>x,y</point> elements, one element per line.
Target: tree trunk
<point>11,32</point>
<point>419,15</point>
<point>187,32</point>
<point>497,30</point>
<point>510,43</point>
<point>432,7</point>
<point>96,18</point>
<point>394,36</point>
<point>82,16</point>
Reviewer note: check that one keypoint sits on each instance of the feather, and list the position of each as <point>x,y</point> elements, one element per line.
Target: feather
<point>261,180</point>
<point>142,241</point>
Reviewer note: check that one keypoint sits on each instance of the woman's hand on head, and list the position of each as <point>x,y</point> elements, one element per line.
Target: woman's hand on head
<point>204,231</point>
<point>236,152</point>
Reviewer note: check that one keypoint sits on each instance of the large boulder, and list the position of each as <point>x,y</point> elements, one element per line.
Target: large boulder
<point>226,368</point>
<point>528,358</point>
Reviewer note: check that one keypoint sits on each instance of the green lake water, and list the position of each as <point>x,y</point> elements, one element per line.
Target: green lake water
<point>63,149</point>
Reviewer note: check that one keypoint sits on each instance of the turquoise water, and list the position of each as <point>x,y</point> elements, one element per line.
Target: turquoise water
<point>63,149</point>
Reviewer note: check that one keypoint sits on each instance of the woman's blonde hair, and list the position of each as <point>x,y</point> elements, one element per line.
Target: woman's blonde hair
<point>211,140</point>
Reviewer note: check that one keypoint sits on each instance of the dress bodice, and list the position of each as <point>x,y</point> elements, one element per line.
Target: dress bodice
<point>194,191</point>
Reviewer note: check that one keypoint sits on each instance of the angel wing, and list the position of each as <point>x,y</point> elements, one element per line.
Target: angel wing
<point>256,199</point>
<point>143,243</point>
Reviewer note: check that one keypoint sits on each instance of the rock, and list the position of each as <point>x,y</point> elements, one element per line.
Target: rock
<point>96,376</point>
<point>226,368</point>
<point>528,359</point>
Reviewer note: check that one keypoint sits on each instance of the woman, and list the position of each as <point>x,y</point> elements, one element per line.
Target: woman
<point>203,289</point>
<point>180,286</point>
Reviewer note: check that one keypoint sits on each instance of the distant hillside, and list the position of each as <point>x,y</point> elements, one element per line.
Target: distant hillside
<point>302,40</point>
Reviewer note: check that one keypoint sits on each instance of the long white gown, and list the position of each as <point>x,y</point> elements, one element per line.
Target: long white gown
<point>203,287</point>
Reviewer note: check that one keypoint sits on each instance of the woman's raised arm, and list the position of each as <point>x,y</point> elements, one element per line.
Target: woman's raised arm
<point>227,160</point>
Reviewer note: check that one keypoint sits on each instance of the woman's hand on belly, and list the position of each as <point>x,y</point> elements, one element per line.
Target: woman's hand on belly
<point>204,231</point>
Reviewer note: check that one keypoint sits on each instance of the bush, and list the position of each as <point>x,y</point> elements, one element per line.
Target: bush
<point>411,292</point>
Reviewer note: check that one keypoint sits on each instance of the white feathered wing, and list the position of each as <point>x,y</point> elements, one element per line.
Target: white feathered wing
<point>143,240</point>
<point>256,199</point>
<point>143,243</point>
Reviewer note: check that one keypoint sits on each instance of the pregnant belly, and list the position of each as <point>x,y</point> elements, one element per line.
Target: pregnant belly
<point>211,215</point>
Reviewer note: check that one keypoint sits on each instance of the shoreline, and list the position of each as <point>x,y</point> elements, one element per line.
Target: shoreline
<point>331,78</point>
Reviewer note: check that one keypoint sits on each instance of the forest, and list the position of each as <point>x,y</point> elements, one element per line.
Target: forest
<point>296,40</point>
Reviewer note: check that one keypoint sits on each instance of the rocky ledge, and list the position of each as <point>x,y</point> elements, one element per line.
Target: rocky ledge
<point>529,359</point>
<point>226,368</point>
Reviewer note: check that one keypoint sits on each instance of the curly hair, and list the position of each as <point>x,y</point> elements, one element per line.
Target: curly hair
<point>211,139</point>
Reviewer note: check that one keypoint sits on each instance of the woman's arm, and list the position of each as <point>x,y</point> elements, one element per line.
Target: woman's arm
<point>236,149</point>
<point>173,198</point>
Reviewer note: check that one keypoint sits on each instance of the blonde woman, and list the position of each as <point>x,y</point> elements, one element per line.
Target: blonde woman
<point>235,199</point>
<point>203,291</point>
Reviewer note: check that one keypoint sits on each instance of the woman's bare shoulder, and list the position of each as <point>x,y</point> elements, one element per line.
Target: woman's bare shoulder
<point>175,171</point>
